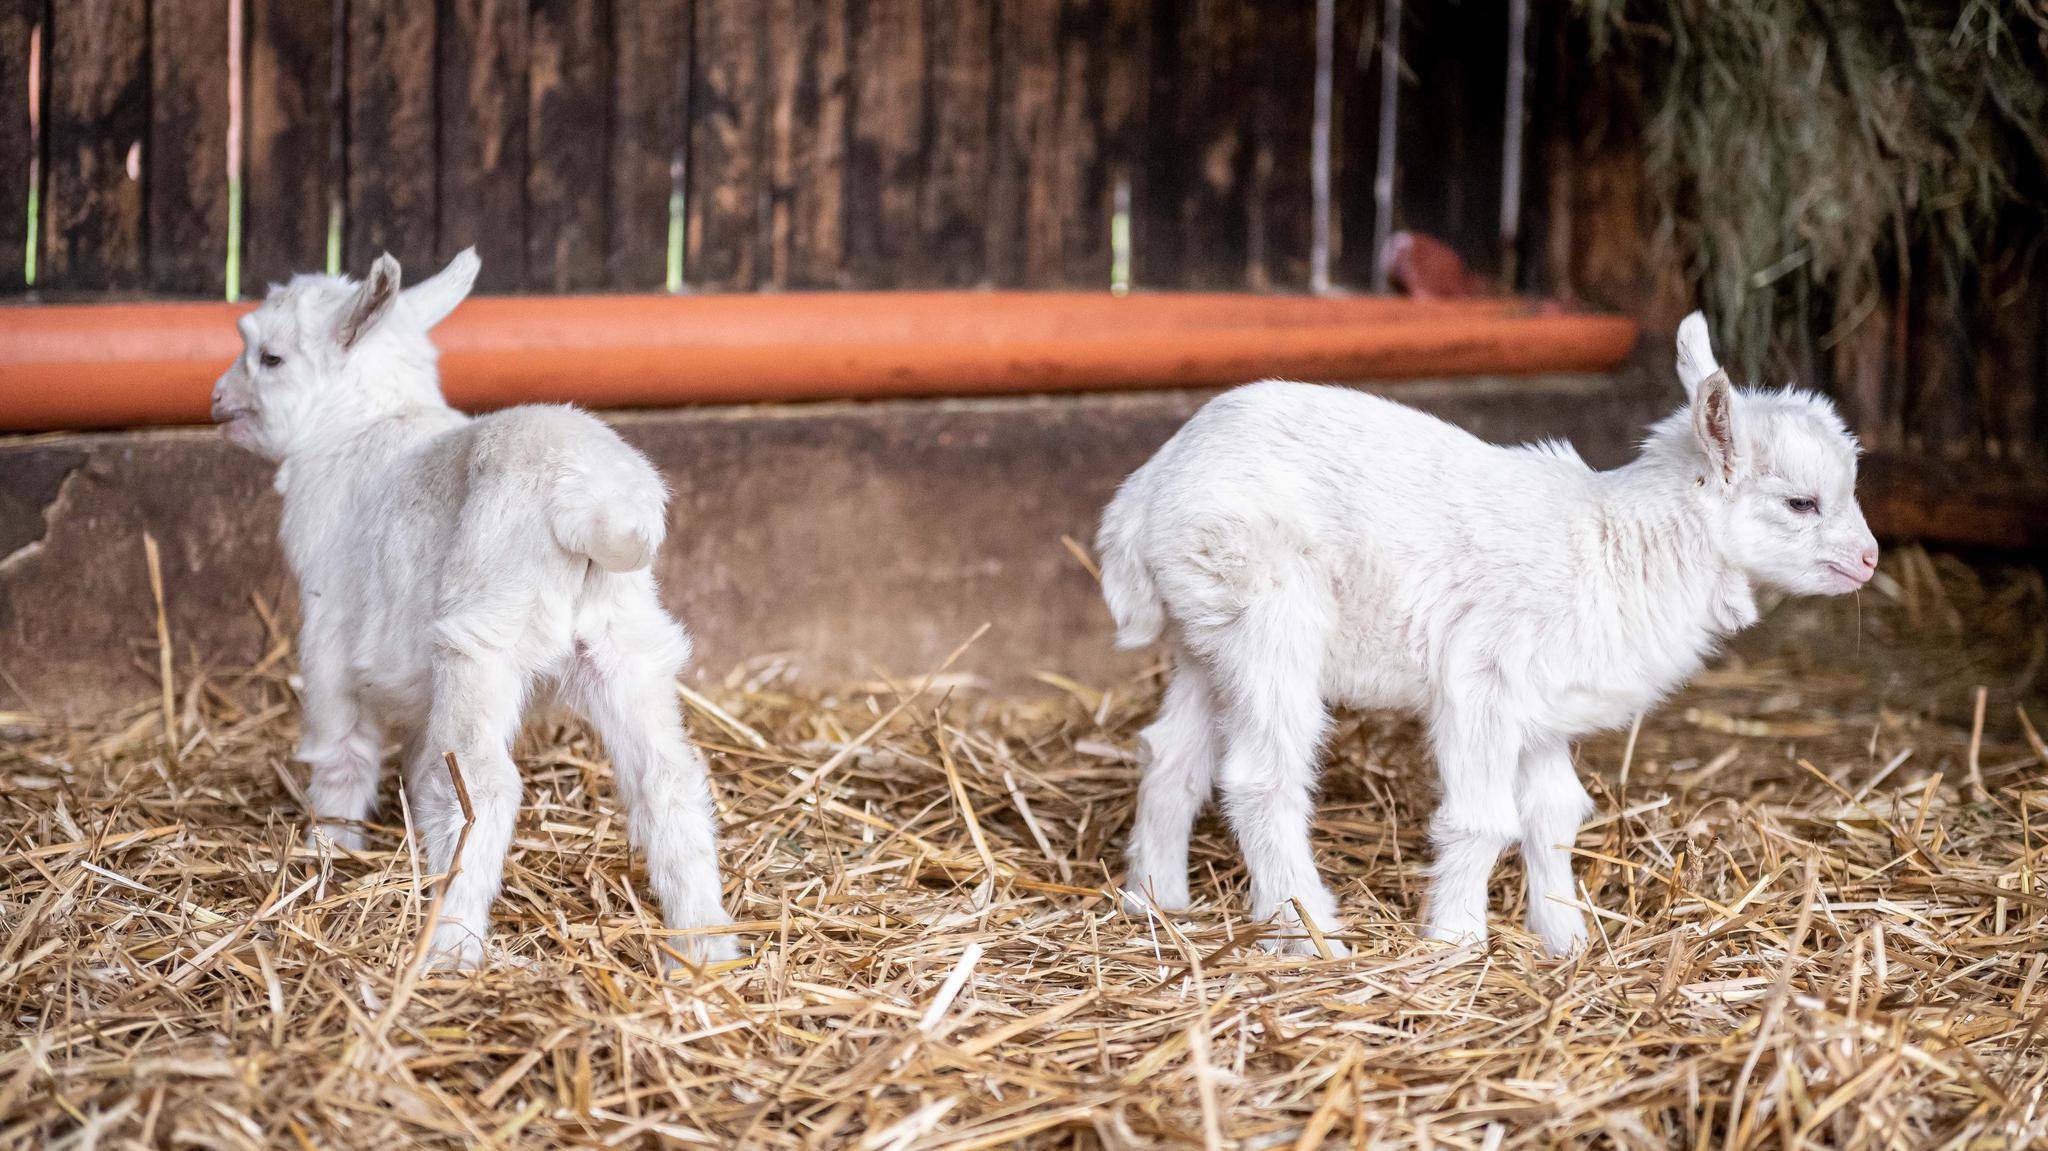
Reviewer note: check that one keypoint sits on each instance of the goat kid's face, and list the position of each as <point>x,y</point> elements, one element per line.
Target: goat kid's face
<point>323,348</point>
<point>1777,473</point>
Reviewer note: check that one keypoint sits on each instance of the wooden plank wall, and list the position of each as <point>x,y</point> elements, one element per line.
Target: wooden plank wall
<point>875,144</point>
<point>814,144</point>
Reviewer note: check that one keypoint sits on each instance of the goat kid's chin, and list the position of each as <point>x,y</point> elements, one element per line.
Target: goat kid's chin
<point>238,426</point>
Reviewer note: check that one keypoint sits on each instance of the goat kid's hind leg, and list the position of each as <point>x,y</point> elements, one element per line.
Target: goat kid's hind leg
<point>1272,732</point>
<point>624,683</point>
<point>1476,760</point>
<point>478,698</point>
<point>1552,804</point>
<point>1179,750</point>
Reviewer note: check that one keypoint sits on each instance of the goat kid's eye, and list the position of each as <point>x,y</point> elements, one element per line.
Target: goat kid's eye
<point>270,359</point>
<point>1803,505</point>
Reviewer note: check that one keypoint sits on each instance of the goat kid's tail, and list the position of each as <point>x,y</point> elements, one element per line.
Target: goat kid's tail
<point>612,511</point>
<point>1126,581</point>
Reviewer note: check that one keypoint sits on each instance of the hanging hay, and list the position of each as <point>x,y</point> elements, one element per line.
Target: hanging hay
<point>1803,154</point>
<point>1820,922</point>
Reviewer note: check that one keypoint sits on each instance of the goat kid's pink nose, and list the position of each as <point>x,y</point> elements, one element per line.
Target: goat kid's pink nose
<point>1869,558</point>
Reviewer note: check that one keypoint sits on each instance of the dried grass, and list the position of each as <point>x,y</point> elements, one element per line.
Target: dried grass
<point>1808,932</point>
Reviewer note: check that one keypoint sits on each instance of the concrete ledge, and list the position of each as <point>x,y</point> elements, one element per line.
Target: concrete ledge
<point>845,538</point>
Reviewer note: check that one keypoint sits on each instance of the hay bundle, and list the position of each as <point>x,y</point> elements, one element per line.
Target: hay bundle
<point>1806,157</point>
<point>1821,923</point>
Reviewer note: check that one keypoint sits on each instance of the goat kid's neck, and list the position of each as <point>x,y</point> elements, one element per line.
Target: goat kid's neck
<point>1660,537</point>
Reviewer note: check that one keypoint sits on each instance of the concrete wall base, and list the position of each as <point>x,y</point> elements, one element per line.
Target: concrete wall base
<point>845,539</point>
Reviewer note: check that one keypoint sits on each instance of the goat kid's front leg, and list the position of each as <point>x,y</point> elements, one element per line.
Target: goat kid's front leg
<point>476,709</point>
<point>342,749</point>
<point>1476,761</point>
<point>1553,805</point>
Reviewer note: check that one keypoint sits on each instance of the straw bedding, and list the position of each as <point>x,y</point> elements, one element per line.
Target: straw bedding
<point>1820,923</point>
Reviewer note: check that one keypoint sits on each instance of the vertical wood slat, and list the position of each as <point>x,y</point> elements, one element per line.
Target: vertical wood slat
<point>1451,128</point>
<point>769,139</point>
<point>1355,141</point>
<point>1069,94</point>
<point>918,152</point>
<point>98,59</point>
<point>569,127</point>
<point>808,89</point>
<point>18,19</point>
<point>888,52</point>
<point>1942,417</point>
<point>1225,199</point>
<point>950,246</point>
<point>650,90</point>
<point>1595,215</point>
<point>391,182</point>
<point>725,196</point>
<point>480,194</point>
<point>1278,192</point>
<point>2011,345</point>
<point>187,188</point>
<point>290,180</point>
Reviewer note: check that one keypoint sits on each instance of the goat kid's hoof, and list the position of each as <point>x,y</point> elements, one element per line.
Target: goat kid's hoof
<point>1562,930</point>
<point>1287,936</point>
<point>1147,894</point>
<point>455,948</point>
<point>1455,936</point>
<point>337,838</point>
<point>1296,942</point>
<point>680,954</point>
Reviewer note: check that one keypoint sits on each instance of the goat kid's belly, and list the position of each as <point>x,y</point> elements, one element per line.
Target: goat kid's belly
<point>392,669</point>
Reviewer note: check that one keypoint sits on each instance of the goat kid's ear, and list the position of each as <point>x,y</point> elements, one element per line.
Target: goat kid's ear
<point>428,303</point>
<point>1715,422</point>
<point>373,301</point>
<point>1695,354</point>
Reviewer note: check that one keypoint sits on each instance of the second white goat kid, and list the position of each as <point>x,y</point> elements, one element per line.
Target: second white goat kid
<point>1303,545</point>
<point>450,569</point>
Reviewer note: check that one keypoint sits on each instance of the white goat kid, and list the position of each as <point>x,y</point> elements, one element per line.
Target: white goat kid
<point>449,568</point>
<point>1305,545</point>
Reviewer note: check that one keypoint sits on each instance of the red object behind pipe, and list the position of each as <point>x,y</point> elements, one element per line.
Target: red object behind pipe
<point>112,365</point>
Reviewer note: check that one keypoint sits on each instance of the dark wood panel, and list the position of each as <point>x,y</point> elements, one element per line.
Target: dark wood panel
<point>950,247</point>
<point>391,155</point>
<point>726,188</point>
<point>1596,218</point>
<point>1941,413</point>
<point>1024,220</point>
<point>1354,141</point>
<point>570,127</point>
<point>1277,192</point>
<point>1224,202</point>
<point>98,53</point>
<point>808,89</point>
<point>480,197</point>
<point>188,141</point>
<point>650,92</point>
<point>919,153</point>
<point>1447,181</point>
<point>18,145</point>
<point>1069,91</point>
<point>1866,374</point>
<point>885,140</point>
<point>2011,342</point>
<point>293,174</point>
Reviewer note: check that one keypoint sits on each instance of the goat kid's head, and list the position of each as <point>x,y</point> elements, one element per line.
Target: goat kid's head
<point>324,350</point>
<point>1775,472</point>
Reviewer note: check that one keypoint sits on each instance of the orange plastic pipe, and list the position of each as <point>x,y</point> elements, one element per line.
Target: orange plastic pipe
<point>115,365</point>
